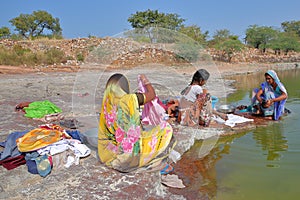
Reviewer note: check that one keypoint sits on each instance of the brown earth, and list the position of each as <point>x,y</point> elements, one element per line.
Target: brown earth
<point>91,179</point>
<point>25,70</point>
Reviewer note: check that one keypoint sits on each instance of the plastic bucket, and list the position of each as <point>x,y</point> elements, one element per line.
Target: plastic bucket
<point>214,100</point>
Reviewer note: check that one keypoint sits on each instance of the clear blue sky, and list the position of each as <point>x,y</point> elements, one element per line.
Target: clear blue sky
<point>81,18</point>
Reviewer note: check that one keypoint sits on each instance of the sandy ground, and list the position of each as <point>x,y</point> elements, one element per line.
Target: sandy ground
<point>78,92</point>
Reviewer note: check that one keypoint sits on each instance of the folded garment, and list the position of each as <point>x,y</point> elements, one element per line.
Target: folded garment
<point>13,162</point>
<point>235,119</point>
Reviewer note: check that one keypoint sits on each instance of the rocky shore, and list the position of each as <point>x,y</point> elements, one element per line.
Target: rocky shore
<point>78,93</point>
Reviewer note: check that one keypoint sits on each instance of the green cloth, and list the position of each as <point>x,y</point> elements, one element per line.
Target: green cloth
<point>39,109</point>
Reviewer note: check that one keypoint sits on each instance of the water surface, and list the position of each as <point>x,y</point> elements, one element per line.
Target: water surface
<point>259,164</point>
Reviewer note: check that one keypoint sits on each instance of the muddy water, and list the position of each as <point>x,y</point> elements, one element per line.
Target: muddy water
<point>259,164</point>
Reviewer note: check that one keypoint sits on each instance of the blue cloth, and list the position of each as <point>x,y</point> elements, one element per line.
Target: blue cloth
<point>31,166</point>
<point>10,145</point>
<point>75,134</point>
<point>38,165</point>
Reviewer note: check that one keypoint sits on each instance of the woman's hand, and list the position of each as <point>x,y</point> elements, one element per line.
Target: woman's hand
<point>150,93</point>
<point>144,79</point>
<point>268,103</point>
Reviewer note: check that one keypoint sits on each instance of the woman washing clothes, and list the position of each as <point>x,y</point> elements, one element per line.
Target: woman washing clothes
<point>196,104</point>
<point>123,143</point>
<point>270,98</point>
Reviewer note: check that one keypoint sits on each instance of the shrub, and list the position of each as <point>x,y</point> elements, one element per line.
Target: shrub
<point>80,57</point>
<point>54,55</point>
<point>21,56</point>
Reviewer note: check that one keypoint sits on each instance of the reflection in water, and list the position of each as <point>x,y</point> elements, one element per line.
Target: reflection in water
<point>271,139</point>
<point>199,173</point>
<point>244,170</point>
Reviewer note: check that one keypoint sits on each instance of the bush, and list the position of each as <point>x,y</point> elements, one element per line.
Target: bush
<point>21,56</point>
<point>54,55</point>
<point>189,51</point>
<point>80,57</point>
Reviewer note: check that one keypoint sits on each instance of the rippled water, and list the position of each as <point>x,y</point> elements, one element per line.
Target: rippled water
<point>259,164</point>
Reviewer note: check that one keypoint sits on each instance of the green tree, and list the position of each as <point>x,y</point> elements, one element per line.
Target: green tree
<point>195,33</point>
<point>291,26</point>
<point>220,36</point>
<point>153,18</point>
<point>154,23</point>
<point>34,25</point>
<point>286,41</point>
<point>227,43</point>
<point>4,32</point>
<point>260,36</point>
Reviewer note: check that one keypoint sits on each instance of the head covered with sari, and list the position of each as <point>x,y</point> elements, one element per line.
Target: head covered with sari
<point>273,74</point>
<point>123,144</point>
<point>270,93</point>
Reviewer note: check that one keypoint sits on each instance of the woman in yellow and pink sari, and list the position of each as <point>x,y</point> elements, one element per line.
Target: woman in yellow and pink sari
<point>123,143</point>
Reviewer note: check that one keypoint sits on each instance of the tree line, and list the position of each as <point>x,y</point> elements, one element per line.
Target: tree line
<point>280,40</point>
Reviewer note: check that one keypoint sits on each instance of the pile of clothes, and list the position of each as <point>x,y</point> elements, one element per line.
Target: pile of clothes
<point>42,149</point>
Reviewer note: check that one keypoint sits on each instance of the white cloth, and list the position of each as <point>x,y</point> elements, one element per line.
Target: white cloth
<point>235,119</point>
<point>218,119</point>
<point>80,150</point>
<point>193,92</point>
<point>172,180</point>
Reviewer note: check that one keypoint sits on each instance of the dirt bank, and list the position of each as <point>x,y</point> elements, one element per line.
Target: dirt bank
<point>91,179</point>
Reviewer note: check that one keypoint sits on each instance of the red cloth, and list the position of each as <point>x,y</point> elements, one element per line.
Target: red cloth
<point>13,162</point>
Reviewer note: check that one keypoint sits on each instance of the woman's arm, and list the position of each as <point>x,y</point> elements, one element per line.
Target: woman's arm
<point>279,98</point>
<point>258,95</point>
<point>150,93</point>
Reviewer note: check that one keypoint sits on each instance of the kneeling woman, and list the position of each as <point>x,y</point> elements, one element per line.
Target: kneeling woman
<point>123,144</point>
<point>270,99</point>
<point>195,104</point>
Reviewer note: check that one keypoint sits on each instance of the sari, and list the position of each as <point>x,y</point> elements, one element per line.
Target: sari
<point>277,109</point>
<point>196,113</point>
<point>123,143</point>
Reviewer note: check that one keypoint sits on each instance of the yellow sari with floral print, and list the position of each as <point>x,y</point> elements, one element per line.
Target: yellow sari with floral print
<point>123,144</point>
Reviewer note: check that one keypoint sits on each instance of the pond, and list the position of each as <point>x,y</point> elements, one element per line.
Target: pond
<point>259,164</point>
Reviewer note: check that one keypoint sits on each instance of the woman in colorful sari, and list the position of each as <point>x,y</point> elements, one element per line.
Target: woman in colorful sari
<point>123,143</point>
<point>270,99</point>
<point>195,104</point>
